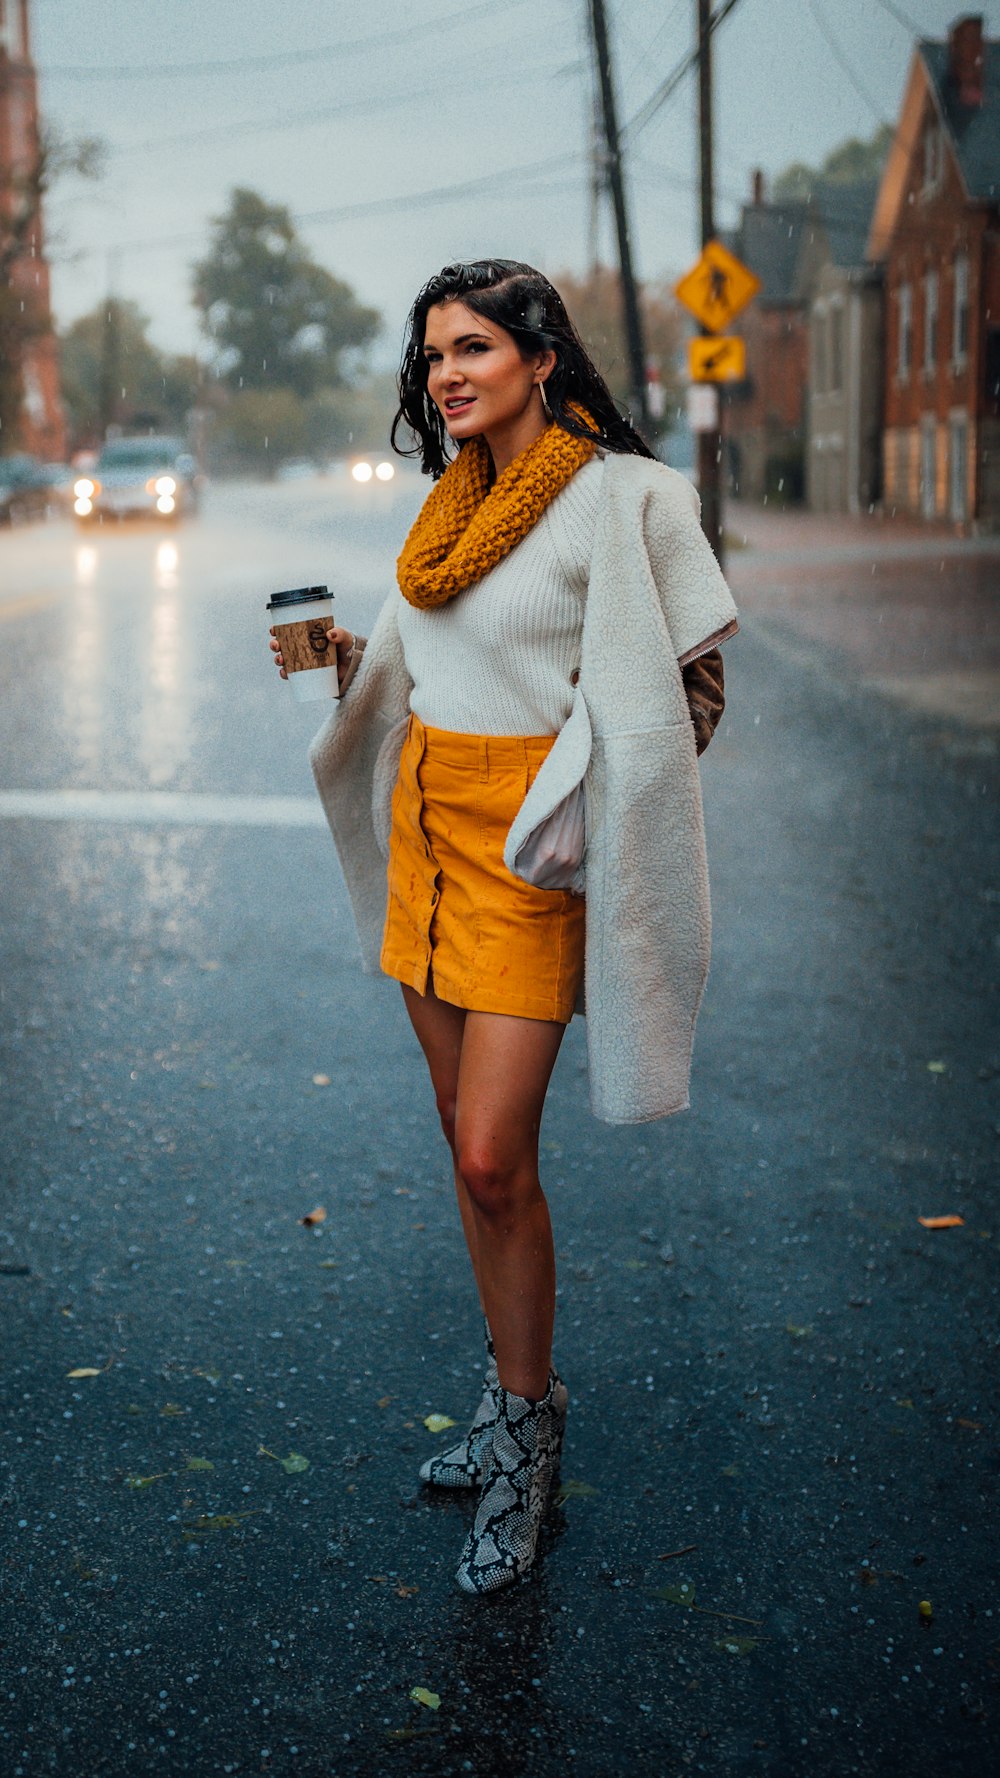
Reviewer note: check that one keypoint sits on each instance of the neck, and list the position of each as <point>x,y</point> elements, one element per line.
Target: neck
<point>507,442</point>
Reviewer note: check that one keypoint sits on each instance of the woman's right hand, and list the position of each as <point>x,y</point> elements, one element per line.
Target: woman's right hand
<point>349,649</point>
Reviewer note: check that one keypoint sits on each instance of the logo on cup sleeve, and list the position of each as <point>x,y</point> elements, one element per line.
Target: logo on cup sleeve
<point>319,642</point>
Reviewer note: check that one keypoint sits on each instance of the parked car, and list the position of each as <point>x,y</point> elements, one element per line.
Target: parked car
<point>24,489</point>
<point>152,476</point>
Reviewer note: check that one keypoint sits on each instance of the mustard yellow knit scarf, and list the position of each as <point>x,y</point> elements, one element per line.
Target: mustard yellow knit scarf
<point>464,527</point>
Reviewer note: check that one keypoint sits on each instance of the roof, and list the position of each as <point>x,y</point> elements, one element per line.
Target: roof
<point>846,214</point>
<point>974,129</point>
<point>768,238</point>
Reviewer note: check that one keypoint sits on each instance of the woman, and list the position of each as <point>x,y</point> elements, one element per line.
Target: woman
<point>554,649</point>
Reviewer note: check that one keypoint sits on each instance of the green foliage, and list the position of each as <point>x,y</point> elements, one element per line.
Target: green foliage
<point>848,163</point>
<point>276,319</point>
<point>112,371</point>
<point>258,429</point>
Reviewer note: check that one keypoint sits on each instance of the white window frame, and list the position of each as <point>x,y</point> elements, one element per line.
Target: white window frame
<point>960,313</point>
<point>836,345</point>
<point>904,353</point>
<point>958,467</point>
<point>932,316</point>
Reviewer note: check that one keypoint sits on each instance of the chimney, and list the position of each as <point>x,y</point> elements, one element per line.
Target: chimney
<point>757,186</point>
<point>965,58</point>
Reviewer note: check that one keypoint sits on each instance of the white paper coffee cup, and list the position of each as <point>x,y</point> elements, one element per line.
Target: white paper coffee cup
<point>301,618</point>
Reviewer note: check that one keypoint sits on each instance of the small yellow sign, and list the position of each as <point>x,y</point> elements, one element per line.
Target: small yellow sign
<point>717,360</point>
<point>717,287</point>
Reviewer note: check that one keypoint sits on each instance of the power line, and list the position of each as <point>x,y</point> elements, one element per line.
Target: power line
<point>281,59</point>
<point>838,53</point>
<point>648,111</point>
<point>323,114</point>
<point>493,183</point>
<point>901,17</point>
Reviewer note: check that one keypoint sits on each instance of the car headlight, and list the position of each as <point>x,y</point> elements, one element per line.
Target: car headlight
<point>384,471</point>
<point>165,484</point>
<point>362,472</point>
<point>85,489</point>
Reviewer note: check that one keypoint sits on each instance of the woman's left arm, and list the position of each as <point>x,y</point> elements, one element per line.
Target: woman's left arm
<point>704,683</point>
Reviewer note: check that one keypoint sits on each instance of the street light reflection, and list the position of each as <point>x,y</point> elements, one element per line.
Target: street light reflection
<point>167,558</point>
<point>86,564</point>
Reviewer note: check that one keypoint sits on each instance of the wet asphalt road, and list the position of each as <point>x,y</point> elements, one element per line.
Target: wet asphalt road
<point>773,1366</point>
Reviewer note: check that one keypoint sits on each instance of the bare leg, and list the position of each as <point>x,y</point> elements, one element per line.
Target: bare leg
<point>439,1028</point>
<point>503,1076</point>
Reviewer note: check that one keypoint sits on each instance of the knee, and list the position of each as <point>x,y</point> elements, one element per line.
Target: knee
<point>446,1112</point>
<point>497,1187</point>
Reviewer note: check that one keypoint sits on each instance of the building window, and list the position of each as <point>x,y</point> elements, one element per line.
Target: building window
<point>960,317</point>
<point>930,323</point>
<point>819,351</point>
<point>836,349</point>
<point>933,157</point>
<point>905,352</point>
<point>10,29</point>
<point>958,468</point>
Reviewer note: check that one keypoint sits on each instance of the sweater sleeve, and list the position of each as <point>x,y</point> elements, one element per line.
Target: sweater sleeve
<point>704,684</point>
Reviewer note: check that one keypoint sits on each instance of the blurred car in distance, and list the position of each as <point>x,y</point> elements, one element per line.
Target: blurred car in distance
<point>151,477</point>
<point>25,492</point>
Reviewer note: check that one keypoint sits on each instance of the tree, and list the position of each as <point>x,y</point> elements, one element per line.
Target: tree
<point>111,371</point>
<point>276,319</point>
<point>595,306</point>
<point>849,163</point>
<point>258,429</point>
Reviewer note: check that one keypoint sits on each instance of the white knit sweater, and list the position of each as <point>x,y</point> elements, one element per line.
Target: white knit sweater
<point>499,658</point>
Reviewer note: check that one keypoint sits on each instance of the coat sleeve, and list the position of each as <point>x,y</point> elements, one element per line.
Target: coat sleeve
<point>697,604</point>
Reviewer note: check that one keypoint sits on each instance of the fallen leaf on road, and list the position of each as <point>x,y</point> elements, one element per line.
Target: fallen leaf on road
<point>216,1522</point>
<point>421,1695</point>
<point>574,1491</point>
<point>942,1222</point>
<point>682,1595</point>
<point>971,1425</point>
<point>314,1216</point>
<point>926,1610</point>
<point>404,1592</point>
<point>85,1370</point>
<point>172,1410</point>
<point>937,1067</point>
<point>383,1401</point>
<point>731,1469</point>
<point>321,1080</point>
<point>438,1422</point>
<point>145,1481</point>
<point>797,1332</point>
<point>293,1464</point>
<point>198,1463</point>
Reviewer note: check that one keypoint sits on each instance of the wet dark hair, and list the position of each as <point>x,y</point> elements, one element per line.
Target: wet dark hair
<point>523,302</point>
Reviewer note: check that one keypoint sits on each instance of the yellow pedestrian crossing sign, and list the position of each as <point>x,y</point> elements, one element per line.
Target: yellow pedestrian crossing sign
<point>717,287</point>
<point>717,359</point>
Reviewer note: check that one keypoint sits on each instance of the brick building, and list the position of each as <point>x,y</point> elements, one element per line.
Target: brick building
<point>936,232</point>
<point>27,339</point>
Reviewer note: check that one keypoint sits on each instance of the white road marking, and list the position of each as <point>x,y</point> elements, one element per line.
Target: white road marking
<point>160,808</point>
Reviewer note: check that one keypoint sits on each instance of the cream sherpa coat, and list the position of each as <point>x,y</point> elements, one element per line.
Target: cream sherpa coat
<point>656,599</point>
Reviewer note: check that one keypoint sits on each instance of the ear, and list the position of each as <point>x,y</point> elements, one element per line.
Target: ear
<point>544,365</point>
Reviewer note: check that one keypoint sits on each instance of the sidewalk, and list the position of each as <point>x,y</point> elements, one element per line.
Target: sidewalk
<point>912,610</point>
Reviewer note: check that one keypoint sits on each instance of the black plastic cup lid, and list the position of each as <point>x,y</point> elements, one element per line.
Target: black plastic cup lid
<point>300,595</point>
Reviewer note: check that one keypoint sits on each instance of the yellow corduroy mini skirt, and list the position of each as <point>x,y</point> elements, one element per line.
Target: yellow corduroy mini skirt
<point>458,923</point>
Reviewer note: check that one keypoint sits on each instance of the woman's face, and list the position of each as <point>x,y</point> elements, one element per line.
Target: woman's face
<point>475,373</point>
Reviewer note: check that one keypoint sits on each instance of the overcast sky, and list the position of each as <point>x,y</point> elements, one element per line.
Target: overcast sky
<point>359,116</point>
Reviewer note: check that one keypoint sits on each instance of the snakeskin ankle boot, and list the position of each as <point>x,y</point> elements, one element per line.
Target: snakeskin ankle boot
<point>462,1465</point>
<point>522,1464</point>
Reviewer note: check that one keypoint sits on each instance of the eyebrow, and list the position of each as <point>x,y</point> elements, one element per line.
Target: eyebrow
<point>462,340</point>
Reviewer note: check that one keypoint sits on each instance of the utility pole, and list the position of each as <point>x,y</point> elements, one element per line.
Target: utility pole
<point>709,443</point>
<point>109,380</point>
<point>630,300</point>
